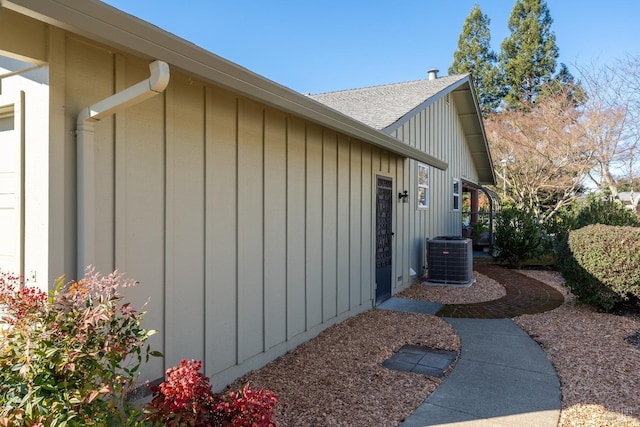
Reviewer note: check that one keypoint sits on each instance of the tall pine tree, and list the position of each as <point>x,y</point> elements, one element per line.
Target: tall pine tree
<point>566,83</point>
<point>529,53</point>
<point>474,55</point>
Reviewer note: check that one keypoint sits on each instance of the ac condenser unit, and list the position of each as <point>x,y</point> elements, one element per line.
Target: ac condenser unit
<point>450,261</point>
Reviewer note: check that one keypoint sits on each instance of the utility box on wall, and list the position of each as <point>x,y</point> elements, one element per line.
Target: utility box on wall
<point>450,261</point>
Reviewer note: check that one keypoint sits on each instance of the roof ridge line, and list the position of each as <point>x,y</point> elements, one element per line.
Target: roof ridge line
<point>384,85</point>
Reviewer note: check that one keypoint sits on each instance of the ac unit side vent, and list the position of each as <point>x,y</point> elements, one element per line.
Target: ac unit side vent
<point>450,261</point>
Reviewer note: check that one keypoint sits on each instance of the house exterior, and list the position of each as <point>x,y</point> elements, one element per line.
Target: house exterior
<point>252,216</point>
<point>439,116</point>
<point>630,199</point>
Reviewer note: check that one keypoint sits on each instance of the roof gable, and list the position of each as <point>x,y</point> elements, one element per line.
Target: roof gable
<point>388,107</point>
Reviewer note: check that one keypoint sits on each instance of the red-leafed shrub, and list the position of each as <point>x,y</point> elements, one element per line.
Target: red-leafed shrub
<point>185,399</point>
<point>247,408</point>
<point>71,357</point>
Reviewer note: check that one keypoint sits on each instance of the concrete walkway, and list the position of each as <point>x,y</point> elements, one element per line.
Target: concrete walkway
<point>503,377</point>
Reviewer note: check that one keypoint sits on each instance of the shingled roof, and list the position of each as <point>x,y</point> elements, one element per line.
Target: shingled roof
<point>387,107</point>
<point>381,106</point>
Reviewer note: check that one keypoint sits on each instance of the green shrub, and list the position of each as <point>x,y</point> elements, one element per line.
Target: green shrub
<point>601,264</point>
<point>563,222</point>
<point>519,236</point>
<point>594,210</point>
<point>71,357</point>
<point>600,210</point>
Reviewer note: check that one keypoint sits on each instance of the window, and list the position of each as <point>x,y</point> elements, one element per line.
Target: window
<point>423,186</point>
<point>456,194</point>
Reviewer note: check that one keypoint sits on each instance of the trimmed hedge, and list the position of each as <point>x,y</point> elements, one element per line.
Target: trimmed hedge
<point>601,264</point>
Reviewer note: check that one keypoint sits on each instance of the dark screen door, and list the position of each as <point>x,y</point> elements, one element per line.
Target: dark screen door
<point>384,234</point>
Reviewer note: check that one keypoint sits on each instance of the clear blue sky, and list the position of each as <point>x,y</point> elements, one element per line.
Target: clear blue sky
<point>324,45</point>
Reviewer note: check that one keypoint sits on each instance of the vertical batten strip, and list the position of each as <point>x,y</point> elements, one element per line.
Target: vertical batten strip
<point>164,273</point>
<point>355,223</point>
<point>265,242</point>
<point>169,358</point>
<point>236,201</point>
<point>287,231</point>
<point>342,230</point>
<point>337,222</point>
<point>60,239</point>
<point>323,226</point>
<point>367,217</point>
<point>313,161</point>
<point>205,233</point>
<point>119,125</point>
<point>296,227</point>
<point>306,227</point>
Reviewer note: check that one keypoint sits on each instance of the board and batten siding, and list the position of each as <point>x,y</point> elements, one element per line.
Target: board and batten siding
<point>438,131</point>
<point>250,230</point>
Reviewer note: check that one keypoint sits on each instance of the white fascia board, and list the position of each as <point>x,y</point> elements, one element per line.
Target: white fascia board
<point>490,176</point>
<point>105,24</point>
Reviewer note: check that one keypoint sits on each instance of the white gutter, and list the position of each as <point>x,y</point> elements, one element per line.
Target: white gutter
<point>86,178</point>
<point>106,24</point>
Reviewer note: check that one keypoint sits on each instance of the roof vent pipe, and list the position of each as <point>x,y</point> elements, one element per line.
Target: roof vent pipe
<point>433,73</point>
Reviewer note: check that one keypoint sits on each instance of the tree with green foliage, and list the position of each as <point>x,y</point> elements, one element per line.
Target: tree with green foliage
<point>564,82</point>
<point>474,55</point>
<point>528,55</point>
<point>601,210</point>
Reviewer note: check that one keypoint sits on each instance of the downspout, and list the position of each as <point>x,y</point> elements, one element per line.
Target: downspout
<point>86,176</point>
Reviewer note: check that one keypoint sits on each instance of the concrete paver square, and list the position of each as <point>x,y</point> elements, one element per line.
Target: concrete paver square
<point>421,360</point>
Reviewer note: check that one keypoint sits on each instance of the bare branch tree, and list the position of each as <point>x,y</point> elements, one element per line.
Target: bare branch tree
<point>547,155</point>
<point>611,122</point>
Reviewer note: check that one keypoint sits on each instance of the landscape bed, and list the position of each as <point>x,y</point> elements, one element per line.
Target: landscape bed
<point>337,379</point>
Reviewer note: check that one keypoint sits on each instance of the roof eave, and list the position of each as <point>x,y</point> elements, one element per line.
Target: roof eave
<point>105,24</point>
<point>475,128</point>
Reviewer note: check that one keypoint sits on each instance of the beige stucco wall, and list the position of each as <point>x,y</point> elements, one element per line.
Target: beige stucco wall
<point>249,229</point>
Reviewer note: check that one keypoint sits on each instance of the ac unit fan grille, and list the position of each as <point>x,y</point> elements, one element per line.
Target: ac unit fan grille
<point>450,260</point>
